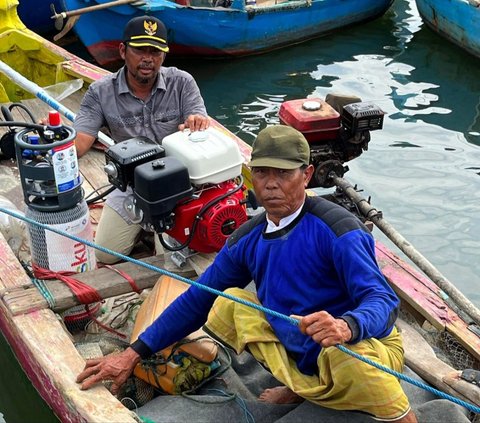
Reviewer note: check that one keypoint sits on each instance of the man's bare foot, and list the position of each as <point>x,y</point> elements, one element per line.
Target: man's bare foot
<point>280,395</point>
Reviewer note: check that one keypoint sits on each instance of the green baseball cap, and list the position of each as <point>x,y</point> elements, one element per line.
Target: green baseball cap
<point>281,147</point>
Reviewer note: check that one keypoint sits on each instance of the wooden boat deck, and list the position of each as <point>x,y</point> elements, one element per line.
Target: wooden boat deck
<point>20,295</point>
<point>34,328</point>
<point>31,323</point>
<point>424,297</point>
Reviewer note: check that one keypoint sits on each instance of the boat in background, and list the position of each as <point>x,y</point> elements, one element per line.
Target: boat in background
<point>221,27</point>
<point>456,20</point>
<point>33,325</point>
<point>36,58</point>
<point>36,15</point>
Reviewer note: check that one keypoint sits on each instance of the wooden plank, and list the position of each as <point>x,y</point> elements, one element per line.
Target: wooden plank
<point>91,166</point>
<point>48,356</point>
<point>105,281</point>
<point>51,361</point>
<point>24,301</point>
<point>10,186</point>
<point>426,298</point>
<point>200,262</point>
<point>421,358</point>
<point>12,275</point>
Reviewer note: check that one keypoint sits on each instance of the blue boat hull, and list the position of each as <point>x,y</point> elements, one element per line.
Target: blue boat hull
<point>35,14</point>
<point>456,20</point>
<point>221,31</point>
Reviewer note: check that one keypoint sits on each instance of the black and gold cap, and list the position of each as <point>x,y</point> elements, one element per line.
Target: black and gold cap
<point>146,31</point>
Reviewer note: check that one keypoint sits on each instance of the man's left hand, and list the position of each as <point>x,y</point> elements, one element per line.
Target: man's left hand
<point>325,329</point>
<point>195,123</point>
<point>114,367</point>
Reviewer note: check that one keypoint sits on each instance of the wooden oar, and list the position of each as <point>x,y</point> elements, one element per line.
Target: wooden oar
<point>423,264</point>
<point>74,15</point>
<point>59,17</point>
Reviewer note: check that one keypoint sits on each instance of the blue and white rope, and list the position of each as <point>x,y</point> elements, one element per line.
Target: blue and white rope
<point>265,310</point>
<point>42,287</point>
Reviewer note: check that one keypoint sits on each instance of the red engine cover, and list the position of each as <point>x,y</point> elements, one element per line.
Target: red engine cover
<point>216,223</point>
<point>313,117</point>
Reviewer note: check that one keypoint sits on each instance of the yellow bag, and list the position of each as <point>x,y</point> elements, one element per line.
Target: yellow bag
<point>179,367</point>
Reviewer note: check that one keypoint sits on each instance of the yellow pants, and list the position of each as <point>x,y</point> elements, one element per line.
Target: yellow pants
<point>343,382</point>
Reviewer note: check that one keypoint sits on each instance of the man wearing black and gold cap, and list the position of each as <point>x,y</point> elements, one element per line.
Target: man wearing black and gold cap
<point>142,98</point>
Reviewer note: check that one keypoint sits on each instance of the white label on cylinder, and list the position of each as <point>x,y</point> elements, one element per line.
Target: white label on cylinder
<point>67,254</point>
<point>65,167</point>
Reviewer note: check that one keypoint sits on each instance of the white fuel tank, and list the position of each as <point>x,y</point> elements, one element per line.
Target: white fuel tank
<point>210,156</point>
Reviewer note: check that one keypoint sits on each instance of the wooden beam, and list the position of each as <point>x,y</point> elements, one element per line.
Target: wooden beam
<point>426,298</point>
<point>109,283</point>
<point>105,281</point>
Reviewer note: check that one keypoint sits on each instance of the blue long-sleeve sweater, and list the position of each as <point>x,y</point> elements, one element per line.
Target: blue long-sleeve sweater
<point>323,260</point>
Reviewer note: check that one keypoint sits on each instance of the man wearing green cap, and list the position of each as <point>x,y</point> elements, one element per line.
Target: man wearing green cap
<point>309,259</point>
<point>142,98</point>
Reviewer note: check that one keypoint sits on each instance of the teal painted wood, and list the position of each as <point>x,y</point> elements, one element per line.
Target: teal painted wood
<point>456,20</point>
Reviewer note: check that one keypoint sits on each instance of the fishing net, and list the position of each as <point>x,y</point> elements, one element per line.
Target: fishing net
<point>116,318</point>
<point>78,317</point>
<point>459,356</point>
<point>110,333</point>
<point>135,392</point>
<point>445,346</point>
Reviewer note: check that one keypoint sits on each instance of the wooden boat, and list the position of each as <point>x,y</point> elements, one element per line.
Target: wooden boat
<point>222,27</point>
<point>40,340</point>
<point>36,15</point>
<point>455,20</point>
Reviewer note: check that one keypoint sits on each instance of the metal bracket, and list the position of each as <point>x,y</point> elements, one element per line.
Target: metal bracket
<point>472,376</point>
<point>472,327</point>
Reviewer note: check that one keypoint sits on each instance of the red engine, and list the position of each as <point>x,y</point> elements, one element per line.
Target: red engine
<point>206,220</point>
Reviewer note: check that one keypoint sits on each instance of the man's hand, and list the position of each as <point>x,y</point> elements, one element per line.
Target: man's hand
<point>325,329</point>
<point>195,123</point>
<point>115,367</point>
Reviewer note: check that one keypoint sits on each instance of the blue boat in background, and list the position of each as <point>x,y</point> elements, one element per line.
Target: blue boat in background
<point>222,27</point>
<point>456,20</point>
<point>36,15</point>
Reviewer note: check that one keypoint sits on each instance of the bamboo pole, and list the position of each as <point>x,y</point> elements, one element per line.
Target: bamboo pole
<point>40,93</point>
<point>413,254</point>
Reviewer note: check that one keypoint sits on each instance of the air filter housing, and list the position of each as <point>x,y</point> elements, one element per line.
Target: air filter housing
<point>358,117</point>
<point>123,157</point>
<point>159,186</point>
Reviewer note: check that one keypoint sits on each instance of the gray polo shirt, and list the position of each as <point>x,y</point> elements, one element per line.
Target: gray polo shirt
<point>109,103</point>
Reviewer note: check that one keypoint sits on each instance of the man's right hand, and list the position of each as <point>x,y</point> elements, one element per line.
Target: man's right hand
<point>195,123</point>
<point>115,367</point>
<point>324,329</point>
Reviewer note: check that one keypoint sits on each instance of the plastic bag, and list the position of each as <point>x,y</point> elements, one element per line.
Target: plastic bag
<point>14,230</point>
<point>64,89</point>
